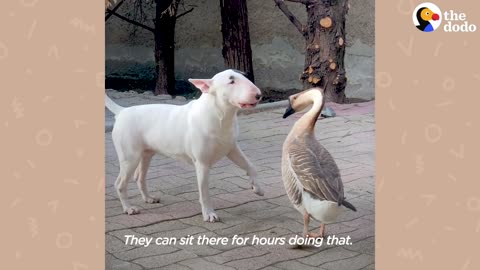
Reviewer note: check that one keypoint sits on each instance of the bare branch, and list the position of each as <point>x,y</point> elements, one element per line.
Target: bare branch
<point>184,13</point>
<point>114,10</point>
<point>281,5</point>
<point>131,21</point>
<point>163,4</point>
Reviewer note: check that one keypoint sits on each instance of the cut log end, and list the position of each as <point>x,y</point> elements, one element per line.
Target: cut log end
<point>310,70</point>
<point>315,80</point>
<point>340,41</point>
<point>326,22</point>
<point>313,47</point>
<point>333,66</point>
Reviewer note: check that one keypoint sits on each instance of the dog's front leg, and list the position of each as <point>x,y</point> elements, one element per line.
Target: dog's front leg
<point>204,198</point>
<point>239,158</point>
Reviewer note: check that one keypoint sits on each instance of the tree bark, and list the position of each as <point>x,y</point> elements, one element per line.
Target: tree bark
<point>324,34</point>
<point>164,36</point>
<point>237,51</point>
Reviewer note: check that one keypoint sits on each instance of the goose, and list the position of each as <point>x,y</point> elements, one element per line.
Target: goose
<point>310,175</point>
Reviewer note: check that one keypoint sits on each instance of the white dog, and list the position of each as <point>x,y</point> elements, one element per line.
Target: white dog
<point>200,133</point>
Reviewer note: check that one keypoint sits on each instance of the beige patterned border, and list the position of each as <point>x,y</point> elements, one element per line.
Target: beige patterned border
<point>428,150</point>
<point>51,126</point>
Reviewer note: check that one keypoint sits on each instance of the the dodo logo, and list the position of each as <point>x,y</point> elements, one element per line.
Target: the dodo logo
<point>427,17</point>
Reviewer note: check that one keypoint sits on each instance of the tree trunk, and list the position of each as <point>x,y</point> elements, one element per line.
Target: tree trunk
<point>237,52</point>
<point>325,48</point>
<point>164,33</point>
<point>325,45</point>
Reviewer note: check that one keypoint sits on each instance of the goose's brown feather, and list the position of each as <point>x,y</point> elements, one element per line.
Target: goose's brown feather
<point>314,169</point>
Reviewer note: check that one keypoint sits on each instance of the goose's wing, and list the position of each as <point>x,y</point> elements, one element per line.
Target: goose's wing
<point>315,169</point>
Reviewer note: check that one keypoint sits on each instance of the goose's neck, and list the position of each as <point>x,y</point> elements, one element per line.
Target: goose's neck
<point>307,122</point>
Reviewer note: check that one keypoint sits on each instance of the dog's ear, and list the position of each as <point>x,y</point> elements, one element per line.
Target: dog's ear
<point>202,84</point>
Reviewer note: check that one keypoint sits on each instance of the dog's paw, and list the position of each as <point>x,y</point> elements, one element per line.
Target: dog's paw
<point>210,216</point>
<point>257,190</point>
<point>132,210</point>
<point>152,200</point>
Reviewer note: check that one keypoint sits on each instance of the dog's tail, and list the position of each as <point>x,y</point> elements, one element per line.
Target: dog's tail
<point>112,106</point>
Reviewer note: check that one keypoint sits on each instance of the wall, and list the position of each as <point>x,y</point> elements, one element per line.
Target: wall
<point>278,48</point>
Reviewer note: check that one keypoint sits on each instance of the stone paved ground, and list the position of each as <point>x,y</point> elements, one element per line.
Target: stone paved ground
<point>350,139</point>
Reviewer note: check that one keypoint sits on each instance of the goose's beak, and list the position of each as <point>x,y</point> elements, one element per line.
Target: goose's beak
<point>289,111</point>
<point>435,17</point>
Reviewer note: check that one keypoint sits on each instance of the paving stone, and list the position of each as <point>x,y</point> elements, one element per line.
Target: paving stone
<point>242,182</point>
<point>191,230</point>
<point>266,214</point>
<point>288,224</point>
<point>363,232</point>
<point>112,263</point>
<point>236,254</point>
<point>165,259</point>
<point>276,254</point>
<point>110,226</point>
<point>281,201</point>
<point>120,234</point>
<point>193,196</point>
<point>141,252</point>
<point>201,250</point>
<point>191,187</point>
<point>250,207</point>
<point>175,266</point>
<point>370,217</point>
<point>244,228</point>
<point>227,220</point>
<point>114,211</point>
<point>370,267</point>
<point>165,200</point>
<point>176,210</point>
<point>328,255</point>
<point>353,263</point>
<point>293,264</point>
<point>237,197</point>
<point>114,245</point>
<point>274,232</point>
<point>271,268</point>
<point>366,246</point>
<point>112,204</point>
<point>349,137</point>
<point>161,227</point>
<point>149,216</point>
<point>201,264</point>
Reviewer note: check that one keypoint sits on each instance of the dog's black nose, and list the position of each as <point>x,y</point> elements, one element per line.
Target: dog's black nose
<point>258,96</point>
